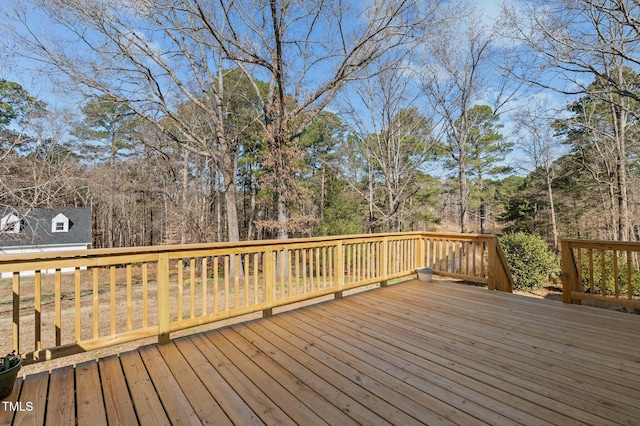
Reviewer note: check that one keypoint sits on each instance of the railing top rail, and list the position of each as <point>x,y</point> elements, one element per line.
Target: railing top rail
<point>28,257</point>
<point>602,244</point>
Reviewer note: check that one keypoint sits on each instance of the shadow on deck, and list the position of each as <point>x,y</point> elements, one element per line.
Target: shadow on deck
<point>411,353</point>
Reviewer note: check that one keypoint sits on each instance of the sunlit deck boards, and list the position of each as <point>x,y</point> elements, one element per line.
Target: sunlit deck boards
<point>411,353</point>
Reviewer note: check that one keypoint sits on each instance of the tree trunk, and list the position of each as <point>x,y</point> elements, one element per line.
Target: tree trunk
<point>554,227</point>
<point>621,171</point>
<point>233,229</point>
<point>252,205</point>
<point>463,197</point>
<point>371,201</point>
<point>218,206</point>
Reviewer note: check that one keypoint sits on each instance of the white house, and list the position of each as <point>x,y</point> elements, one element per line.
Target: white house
<point>40,230</point>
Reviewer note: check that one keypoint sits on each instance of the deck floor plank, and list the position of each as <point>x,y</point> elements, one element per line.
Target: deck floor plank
<point>117,401</point>
<point>407,354</point>
<point>370,393</point>
<point>206,407</point>
<point>413,372</point>
<point>6,413</point>
<point>513,335</point>
<point>146,402</point>
<point>61,405</point>
<point>296,363</point>
<point>483,367</point>
<point>255,398</point>
<point>451,326</point>
<point>288,395</point>
<point>299,388</point>
<point>538,327</point>
<point>579,394</point>
<point>404,396</point>
<point>175,403</point>
<point>433,369</point>
<point>89,401</point>
<point>34,391</point>
<point>230,402</point>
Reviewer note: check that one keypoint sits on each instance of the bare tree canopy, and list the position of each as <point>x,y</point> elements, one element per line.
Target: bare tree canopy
<point>565,44</point>
<point>155,56</point>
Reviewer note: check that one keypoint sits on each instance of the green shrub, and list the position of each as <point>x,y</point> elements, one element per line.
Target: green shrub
<point>531,262</point>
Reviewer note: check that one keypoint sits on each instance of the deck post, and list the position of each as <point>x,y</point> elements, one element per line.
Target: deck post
<point>569,273</point>
<point>269,281</point>
<point>164,313</point>
<point>491,260</point>
<point>504,280</point>
<point>420,252</point>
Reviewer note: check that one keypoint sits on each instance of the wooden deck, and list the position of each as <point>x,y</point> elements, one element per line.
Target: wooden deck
<point>411,353</point>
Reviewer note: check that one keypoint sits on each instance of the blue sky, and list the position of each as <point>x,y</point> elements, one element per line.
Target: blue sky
<point>40,86</point>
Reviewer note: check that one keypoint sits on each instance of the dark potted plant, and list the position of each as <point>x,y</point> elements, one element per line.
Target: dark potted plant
<point>10,364</point>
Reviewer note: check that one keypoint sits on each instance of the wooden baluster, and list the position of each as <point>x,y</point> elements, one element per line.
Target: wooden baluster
<point>180,287</point>
<point>246,270</point>
<point>204,277</point>
<point>236,280</point>
<point>37,306</point>
<point>58,306</point>
<point>603,274</point>
<point>112,294</point>
<point>145,295</point>
<point>269,281</point>
<point>164,312</point>
<point>76,274</point>
<point>579,268</point>
<point>15,328</point>
<point>297,260</point>
<point>615,274</point>
<point>629,283</point>
<point>290,270</point>
<point>96,331</point>
<point>192,288</point>
<point>318,271</point>
<point>255,278</point>
<point>385,262</point>
<point>339,269</point>
<point>216,286</point>
<point>304,271</point>
<point>129,298</point>
<point>591,280</point>
<point>226,282</point>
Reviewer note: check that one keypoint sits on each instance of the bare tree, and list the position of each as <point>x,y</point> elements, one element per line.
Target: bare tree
<point>307,51</point>
<point>539,141</point>
<point>394,141</point>
<point>155,56</point>
<point>464,67</point>
<point>567,45</point>
<point>152,56</point>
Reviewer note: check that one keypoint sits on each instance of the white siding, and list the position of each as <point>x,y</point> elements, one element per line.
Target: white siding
<point>47,249</point>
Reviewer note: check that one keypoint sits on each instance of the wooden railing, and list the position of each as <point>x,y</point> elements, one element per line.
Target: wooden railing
<point>57,304</point>
<point>601,271</point>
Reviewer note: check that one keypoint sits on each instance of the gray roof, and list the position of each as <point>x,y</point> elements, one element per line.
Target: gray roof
<point>35,227</point>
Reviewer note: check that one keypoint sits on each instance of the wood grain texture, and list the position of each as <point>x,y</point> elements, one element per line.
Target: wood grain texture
<point>410,353</point>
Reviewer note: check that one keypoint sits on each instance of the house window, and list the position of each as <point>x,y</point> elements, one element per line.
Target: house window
<point>10,224</point>
<point>60,223</point>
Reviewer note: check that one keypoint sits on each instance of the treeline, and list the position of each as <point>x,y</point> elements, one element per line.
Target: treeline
<point>200,123</point>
